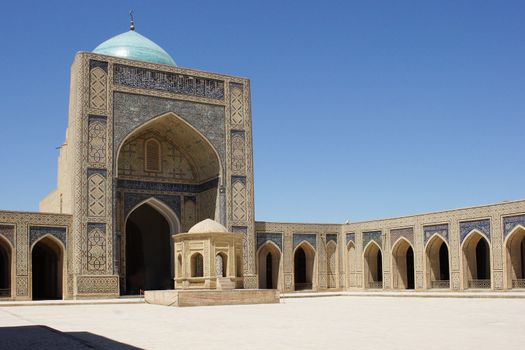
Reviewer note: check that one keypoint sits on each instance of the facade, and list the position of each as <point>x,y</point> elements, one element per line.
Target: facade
<point>152,149</point>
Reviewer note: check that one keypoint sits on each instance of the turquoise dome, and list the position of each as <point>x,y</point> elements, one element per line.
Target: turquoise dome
<point>133,46</point>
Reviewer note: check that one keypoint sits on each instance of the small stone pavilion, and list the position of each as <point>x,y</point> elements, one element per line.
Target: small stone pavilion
<point>208,257</point>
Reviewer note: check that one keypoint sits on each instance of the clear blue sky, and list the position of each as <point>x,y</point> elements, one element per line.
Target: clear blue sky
<point>361,109</point>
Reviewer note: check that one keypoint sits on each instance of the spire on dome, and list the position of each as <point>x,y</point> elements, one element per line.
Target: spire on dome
<point>132,23</point>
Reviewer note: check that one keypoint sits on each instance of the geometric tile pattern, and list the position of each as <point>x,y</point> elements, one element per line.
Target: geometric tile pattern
<point>263,237</point>
<point>376,236</point>
<point>35,232</point>
<point>429,231</point>
<point>466,227</point>
<point>308,237</point>
<point>510,222</point>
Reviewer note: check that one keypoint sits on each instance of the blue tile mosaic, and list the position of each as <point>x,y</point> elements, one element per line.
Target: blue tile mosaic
<point>263,237</point>
<point>331,237</point>
<point>467,226</point>
<point>308,237</point>
<point>376,236</point>
<point>429,231</point>
<point>36,232</point>
<point>510,222</point>
<point>350,237</point>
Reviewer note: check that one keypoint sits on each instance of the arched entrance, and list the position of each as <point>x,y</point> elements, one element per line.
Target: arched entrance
<point>47,263</point>
<point>331,264</point>
<point>304,256</point>
<point>476,261</point>
<point>438,271</point>
<point>269,258</point>
<point>351,261</point>
<point>402,265</point>
<point>5,268</point>
<point>149,259</point>
<point>373,262</point>
<point>197,265</point>
<point>515,258</point>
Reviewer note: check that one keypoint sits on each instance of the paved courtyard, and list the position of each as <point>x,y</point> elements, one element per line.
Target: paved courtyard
<point>308,323</point>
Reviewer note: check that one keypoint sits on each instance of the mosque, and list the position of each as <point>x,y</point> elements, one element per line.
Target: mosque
<point>152,149</point>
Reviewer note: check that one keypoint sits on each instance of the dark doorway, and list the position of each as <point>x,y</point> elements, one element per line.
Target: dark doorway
<point>410,268</point>
<point>482,260</point>
<point>379,265</point>
<point>148,251</point>
<point>5,271</point>
<point>303,268</point>
<point>443,263</point>
<point>269,271</point>
<point>46,260</point>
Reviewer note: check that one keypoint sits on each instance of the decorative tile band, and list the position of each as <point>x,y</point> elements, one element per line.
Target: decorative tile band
<point>481,225</point>
<point>510,222</point>
<point>407,233</point>
<point>350,237</point>
<point>166,187</point>
<point>308,237</point>
<point>178,83</point>
<point>429,231</point>
<point>331,237</point>
<point>263,237</point>
<point>376,236</point>
<point>36,232</point>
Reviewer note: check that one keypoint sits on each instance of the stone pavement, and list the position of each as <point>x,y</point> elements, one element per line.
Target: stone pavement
<point>348,322</point>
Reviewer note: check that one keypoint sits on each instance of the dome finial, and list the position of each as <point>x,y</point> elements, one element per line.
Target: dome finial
<point>132,23</point>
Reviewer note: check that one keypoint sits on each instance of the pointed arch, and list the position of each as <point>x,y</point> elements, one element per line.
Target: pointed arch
<point>6,267</point>
<point>331,265</point>
<point>269,265</point>
<point>437,262</point>
<point>514,250</point>
<point>147,259</point>
<point>208,155</point>
<point>304,266</point>
<point>476,260</point>
<point>163,209</point>
<point>373,266</point>
<point>47,268</point>
<point>351,261</point>
<point>403,264</point>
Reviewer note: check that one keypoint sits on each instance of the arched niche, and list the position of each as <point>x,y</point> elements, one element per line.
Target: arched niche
<point>515,258</point>
<point>6,268</point>
<point>47,268</point>
<point>476,261</point>
<point>351,260</point>
<point>437,261</point>
<point>268,264</point>
<point>331,265</point>
<point>164,154</point>
<point>402,265</point>
<point>373,266</point>
<point>304,258</point>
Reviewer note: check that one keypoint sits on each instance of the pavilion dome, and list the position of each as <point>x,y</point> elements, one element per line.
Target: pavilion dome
<point>207,226</point>
<point>133,46</point>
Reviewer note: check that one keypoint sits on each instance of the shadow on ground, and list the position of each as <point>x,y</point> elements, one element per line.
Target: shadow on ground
<point>43,337</point>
